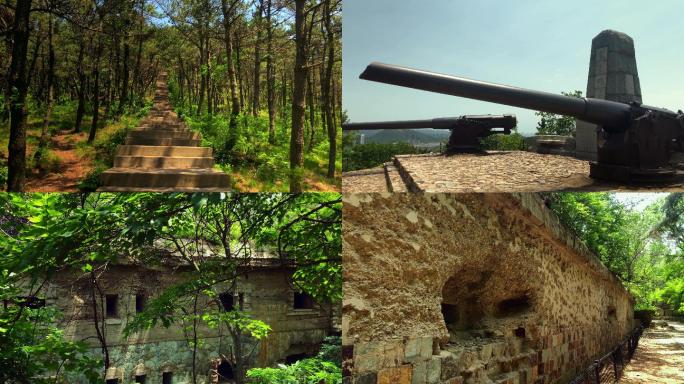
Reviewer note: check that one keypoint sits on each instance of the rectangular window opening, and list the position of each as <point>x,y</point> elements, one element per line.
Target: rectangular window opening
<point>30,302</point>
<point>303,301</point>
<point>140,379</point>
<point>140,302</point>
<point>112,381</point>
<point>111,304</point>
<point>226,301</point>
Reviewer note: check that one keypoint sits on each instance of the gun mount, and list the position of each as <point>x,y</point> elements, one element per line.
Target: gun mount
<point>466,131</point>
<point>637,140</point>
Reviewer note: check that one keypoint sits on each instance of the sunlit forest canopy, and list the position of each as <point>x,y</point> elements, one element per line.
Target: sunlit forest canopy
<point>259,79</point>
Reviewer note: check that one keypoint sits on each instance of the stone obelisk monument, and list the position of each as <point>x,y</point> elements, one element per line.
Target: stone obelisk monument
<point>612,76</point>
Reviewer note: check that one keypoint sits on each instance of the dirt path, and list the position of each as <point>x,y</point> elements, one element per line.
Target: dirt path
<point>73,167</point>
<point>660,356</point>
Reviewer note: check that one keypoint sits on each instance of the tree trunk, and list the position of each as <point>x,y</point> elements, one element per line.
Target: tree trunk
<point>227,10</point>
<point>123,102</point>
<point>50,92</point>
<point>208,64</point>
<point>81,86</point>
<point>312,109</point>
<point>328,101</point>
<point>96,91</point>
<point>137,81</point>
<point>18,85</point>
<point>270,76</point>
<point>257,60</point>
<point>238,69</point>
<point>298,101</point>
<point>203,76</point>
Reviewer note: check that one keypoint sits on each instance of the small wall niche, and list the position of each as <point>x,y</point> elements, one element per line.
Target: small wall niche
<point>513,306</point>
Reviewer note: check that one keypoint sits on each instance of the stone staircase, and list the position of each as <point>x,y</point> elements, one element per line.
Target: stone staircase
<point>163,155</point>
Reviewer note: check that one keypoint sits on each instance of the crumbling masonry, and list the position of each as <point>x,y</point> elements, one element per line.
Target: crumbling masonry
<point>471,288</point>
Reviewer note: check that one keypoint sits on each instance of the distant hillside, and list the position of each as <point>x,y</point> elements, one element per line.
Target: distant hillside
<point>413,136</point>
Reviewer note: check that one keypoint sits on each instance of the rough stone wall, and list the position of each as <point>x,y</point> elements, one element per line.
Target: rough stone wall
<point>267,296</point>
<point>466,288</point>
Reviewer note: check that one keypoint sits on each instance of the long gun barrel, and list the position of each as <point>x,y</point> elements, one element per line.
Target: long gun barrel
<point>465,130</point>
<point>638,138</point>
<point>506,122</point>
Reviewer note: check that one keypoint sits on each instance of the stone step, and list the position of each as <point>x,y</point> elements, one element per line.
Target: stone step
<point>168,151</point>
<point>393,178</point>
<point>162,141</point>
<point>162,128</point>
<point>165,178</point>
<point>163,134</point>
<point>162,125</point>
<point>157,162</point>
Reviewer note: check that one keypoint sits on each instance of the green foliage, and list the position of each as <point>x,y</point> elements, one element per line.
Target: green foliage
<point>673,223</point>
<point>331,350</point>
<point>49,162</point>
<point>370,155</point>
<point>307,371</point>
<point>643,248</point>
<point>498,142</point>
<point>552,124</point>
<point>247,153</point>
<point>33,350</point>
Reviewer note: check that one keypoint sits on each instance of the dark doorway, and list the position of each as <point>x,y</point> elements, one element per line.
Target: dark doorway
<point>167,378</point>
<point>450,314</point>
<point>140,379</point>
<point>225,372</point>
<point>112,381</point>
<point>291,359</point>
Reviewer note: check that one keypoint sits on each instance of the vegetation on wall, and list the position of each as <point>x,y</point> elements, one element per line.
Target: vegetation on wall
<point>644,248</point>
<point>44,235</point>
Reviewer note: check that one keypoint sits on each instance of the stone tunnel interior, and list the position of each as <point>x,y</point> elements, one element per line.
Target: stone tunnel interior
<point>480,304</point>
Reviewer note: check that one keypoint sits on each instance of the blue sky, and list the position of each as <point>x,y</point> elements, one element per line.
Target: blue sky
<point>537,44</point>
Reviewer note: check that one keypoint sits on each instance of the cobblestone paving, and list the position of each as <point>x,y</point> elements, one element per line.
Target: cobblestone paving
<point>515,171</point>
<point>496,172</point>
<point>368,180</point>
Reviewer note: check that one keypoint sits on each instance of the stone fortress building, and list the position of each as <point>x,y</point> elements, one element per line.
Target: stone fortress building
<point>164,355</point>
<point>471,288</point>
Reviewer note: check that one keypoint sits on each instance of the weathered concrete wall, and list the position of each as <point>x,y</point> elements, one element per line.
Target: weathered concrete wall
<point>471,288</point>
<point>267,296</point>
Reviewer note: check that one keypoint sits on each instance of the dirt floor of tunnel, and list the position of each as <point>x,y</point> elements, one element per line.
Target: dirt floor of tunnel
<point>659,358</point>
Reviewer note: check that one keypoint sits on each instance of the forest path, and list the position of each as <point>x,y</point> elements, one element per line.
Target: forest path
<point>163,155</point>
<point>73,167</point>
<point>660,356</point>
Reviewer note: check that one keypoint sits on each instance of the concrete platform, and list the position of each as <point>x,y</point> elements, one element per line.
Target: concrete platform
<point>495,171</point>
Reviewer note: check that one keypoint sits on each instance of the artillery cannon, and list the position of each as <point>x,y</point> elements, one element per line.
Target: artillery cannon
<point>465,130</point>
<point>636,142</point>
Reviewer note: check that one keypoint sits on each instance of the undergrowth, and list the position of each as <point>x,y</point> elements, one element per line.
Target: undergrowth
<point>257,165</point>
